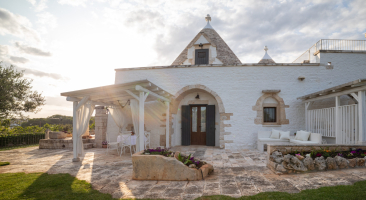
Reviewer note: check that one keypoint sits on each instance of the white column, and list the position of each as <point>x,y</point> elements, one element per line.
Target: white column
<point>337,118</point>
<point>141,122</point>
<point>74,137</point>
<point>361,117</point>
<point>307,116</point>
<point>167,124</point>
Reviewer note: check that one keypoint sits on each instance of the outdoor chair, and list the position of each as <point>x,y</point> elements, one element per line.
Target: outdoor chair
<point>127,143</point>
<point>111,144</point>
<point>147,139</point>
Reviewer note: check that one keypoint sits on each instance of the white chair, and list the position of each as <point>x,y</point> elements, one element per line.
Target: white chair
<point>111,144</point>
<point>147,139</point>
<point>126,143</point>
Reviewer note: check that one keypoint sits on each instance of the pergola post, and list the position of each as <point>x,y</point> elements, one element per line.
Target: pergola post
<point>307,127</point>
<point>361,117</point>
<point>337,117</point>
<point>167,124</point>
<point>141,121</point>
<point>74,135</point>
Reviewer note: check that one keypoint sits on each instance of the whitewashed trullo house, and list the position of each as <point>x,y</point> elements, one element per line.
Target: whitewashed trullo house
<point>207,96</point>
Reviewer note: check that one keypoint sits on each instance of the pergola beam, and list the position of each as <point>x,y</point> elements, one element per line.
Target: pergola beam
<point>345,92</point>
<point>93,102</point>
<point>140,88</point>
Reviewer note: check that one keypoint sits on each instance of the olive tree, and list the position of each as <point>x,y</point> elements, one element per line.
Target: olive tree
<point>16,96</point>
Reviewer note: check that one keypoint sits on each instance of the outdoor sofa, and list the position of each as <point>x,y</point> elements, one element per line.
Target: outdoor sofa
<point>264,137</point>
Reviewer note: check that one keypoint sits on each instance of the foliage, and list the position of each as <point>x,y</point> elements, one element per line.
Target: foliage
<point>16,96</point>
<point>358,153</point>
<point>24,139</point>
<point>4,163</point>
<point>43,186</point>
<point>187,160</point>
<point>159,151</point>
<point>54,119</point>
<point>104,142</point>
<point>92,126</point>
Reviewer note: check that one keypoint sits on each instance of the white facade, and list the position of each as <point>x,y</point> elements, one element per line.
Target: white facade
<point>240,87</point>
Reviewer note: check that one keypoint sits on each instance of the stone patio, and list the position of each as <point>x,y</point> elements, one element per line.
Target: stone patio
<point>236,173</point>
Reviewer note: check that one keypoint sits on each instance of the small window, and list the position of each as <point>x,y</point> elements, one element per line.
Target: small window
<point>201,54</point>
<point>269,114</point>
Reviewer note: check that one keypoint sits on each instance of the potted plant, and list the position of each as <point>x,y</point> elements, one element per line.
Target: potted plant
<point>104,144</point>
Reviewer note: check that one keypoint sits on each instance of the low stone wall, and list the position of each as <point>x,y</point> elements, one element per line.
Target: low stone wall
<point>281,162</point>
<point>158,167</point>
<point>58,143</point>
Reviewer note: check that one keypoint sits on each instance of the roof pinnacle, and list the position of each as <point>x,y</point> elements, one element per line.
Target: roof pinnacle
<point>266,48</point>
<point>208,19</point>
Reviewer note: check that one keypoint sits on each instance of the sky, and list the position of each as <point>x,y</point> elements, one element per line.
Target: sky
<point>66,45</point>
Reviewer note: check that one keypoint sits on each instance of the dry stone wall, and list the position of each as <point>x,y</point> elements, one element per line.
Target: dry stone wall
<point>280,161</point>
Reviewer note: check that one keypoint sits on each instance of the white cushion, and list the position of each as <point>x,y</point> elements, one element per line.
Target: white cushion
<point>304,136</point>
<point>271,140</point>
<point>275,134</point>
<point>298,133</point>
<point>302,142</point>
<point>285,135</point>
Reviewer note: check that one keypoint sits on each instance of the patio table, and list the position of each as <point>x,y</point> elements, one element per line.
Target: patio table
<point>133,139</point>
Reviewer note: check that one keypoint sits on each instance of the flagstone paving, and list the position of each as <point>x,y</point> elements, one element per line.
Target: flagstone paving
<point>236,173</point>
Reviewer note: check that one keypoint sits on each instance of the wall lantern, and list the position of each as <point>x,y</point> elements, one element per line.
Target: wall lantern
<point>198,96</point>
<point>200,45</point>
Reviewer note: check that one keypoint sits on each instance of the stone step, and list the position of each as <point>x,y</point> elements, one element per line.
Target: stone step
<point>88,145</point>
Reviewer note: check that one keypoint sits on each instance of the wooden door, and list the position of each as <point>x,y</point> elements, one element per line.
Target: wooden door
<point>186,125</point>
<point>198,125</point>
<point>210,125</point>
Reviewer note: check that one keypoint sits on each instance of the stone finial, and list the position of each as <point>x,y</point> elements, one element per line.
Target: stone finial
<point>208,18</point>
<point>266,58</point>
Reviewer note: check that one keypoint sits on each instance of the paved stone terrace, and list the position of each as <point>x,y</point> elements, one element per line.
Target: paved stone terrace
<point>236,174</point>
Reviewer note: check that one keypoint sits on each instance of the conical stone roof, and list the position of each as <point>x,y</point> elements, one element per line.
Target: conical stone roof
<point>266,58</point>
<point>224,53</point>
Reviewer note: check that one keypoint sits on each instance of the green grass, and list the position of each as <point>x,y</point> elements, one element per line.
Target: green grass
<point>45,186</point>
<point>348,192</point>
<point>18,147</point>
<point>39,186</point>
<point>4,163</point>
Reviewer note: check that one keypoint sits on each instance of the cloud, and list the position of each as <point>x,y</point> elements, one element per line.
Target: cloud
<point>16,25</point>
<point>40,6</point>
<point>73,2</point>
<point>32,50</point>
<point>16,59</point>
<point>41,73</point>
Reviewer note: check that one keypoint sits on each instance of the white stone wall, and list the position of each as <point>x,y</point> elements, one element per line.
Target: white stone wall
<point>240,86</point>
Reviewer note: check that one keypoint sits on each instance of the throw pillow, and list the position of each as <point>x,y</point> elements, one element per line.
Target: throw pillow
<point>298,135</point>
<point>305,136</point>
<point>285,135</point>
<point>275,134</point>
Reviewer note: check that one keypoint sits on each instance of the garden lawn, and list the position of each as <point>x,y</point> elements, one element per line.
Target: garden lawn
<point>18,147</point>
<point>46,186</point>
<point>63,186</point>
<point>4,163</point>
<point>348,192</point>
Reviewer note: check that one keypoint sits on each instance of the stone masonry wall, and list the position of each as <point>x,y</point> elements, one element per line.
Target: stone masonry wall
<point>240,86</point>
<point>280,161</point>
<point>101,118</point>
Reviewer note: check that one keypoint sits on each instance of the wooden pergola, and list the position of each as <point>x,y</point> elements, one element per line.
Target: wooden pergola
<point>115,95</point>
<point>343,119</point>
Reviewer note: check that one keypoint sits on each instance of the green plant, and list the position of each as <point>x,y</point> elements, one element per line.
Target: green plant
<point>4,163</point>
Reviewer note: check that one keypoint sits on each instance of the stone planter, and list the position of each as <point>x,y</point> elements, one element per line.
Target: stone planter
<point>57,135</point>
<point>158,167</point>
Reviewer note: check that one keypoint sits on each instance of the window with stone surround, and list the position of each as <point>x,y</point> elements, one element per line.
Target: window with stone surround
<point>270,109</point>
